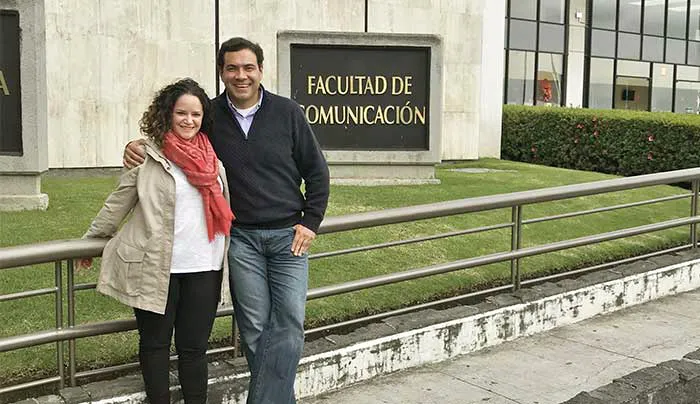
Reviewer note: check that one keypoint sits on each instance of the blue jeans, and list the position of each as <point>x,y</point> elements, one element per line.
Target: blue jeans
<point>268,286</point>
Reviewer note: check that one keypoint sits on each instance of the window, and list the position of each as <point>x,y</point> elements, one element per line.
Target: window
<point>536,33</point>
<point>677,10</point>
<point>675,51</point>
<point>694,20</point>
<point>523,35</point>
<point>601,83</point>
<point>630,15</point>
<point>627,46</point>
<point>687,97</point>
<point>632,93</point>
<point>552,11</point>
<point>603,43</point>
<point>654,17</point>
<point>687,90</point>
<point>694,53</point>
<point>604,13</point>
<point>521,73</point>
<point>662,91</point>
<point>551,38</point>
<point>549,79</point>
<point>526,9</point>
<point>653,49</point>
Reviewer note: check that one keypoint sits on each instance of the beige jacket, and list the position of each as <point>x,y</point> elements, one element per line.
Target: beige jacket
<point>136,262</point>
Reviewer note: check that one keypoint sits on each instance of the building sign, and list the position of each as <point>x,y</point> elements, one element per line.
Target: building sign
<point>10,98</point>
<point>364,97</point>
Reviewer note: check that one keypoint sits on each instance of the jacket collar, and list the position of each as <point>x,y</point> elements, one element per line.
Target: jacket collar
<point>156,153</point>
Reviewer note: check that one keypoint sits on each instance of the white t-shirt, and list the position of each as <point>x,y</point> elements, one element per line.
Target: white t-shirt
<point>192,250</point>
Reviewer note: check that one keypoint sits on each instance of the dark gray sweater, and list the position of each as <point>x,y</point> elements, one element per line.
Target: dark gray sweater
<point>265,169</point>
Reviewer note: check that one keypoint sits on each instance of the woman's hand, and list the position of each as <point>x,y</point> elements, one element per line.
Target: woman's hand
<point>82,263</point>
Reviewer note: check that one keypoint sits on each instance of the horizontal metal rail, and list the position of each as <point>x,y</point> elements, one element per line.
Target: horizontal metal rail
<point>29,293</point>
<point>434,210</point>
<point>411,241</point>
<point>381,280</point>
<point>607,209</point>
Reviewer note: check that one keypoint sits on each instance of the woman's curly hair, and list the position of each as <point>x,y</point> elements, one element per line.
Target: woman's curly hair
<point>156,120</point>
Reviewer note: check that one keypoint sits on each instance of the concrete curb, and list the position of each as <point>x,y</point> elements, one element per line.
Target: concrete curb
<point>430,336</point>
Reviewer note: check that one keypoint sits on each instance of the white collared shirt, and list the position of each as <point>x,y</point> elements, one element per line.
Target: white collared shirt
<point>245,116</point>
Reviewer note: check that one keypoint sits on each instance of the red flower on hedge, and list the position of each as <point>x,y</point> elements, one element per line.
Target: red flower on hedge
<point>579,126</point>
<point>651,137</point>
<point>595,133</point>
<point>650,156</point>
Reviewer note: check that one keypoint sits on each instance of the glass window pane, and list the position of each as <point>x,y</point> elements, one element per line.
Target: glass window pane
<point>654,17</point>
<point>549,79</point>
<point>662,93</point>
<point>653,49</point>
<point>694,53</point>
<point>552,11</point>
<point>523,9</point>
<point>632,69</point>
<point>687,97</point>
<point>688,73</point>
<point>600,83</point>
<point>523,34</point>
<point>551,38</point>
<point>604,12</point>
<point>632,93</point>
<point>675,51</point>
<point>694,27</point>
<point>603,43</point>
<point>521,77</point>
<point>677,10</point>
<point>630,15</point>
<point>628,46</point>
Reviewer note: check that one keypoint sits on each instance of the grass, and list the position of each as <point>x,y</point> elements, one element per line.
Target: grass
<point>75,201</point>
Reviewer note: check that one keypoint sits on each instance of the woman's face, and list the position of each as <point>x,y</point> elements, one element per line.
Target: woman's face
<point>187,116</point>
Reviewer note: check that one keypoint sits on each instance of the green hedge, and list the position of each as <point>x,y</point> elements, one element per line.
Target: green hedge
<point>606,141</point>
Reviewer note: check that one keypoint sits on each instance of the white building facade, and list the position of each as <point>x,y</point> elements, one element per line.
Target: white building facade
<point>105,59</point>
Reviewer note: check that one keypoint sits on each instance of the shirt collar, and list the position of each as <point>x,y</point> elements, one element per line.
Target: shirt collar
<point>248,111</point>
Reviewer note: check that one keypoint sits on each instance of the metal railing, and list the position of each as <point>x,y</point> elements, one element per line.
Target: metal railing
<point>62,254</point>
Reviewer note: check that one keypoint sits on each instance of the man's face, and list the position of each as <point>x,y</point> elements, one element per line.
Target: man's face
<point>241,75</point>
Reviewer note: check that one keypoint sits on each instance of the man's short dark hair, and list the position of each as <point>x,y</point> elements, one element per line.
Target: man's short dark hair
<point>236,44</point>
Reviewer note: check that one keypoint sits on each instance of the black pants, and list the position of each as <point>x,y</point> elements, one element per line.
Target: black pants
<point>191,308</point>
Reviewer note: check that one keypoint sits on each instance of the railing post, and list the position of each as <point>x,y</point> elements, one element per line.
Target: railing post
<point>58,273</point>
<point>71,321</point>
<point>694,212</point>
<point>515,235</point>
<point>235,336</point>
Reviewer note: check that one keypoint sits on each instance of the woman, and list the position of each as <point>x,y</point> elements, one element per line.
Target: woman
<point>168,258</point>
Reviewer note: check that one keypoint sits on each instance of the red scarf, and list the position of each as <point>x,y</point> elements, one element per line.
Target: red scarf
<point>197,159</point>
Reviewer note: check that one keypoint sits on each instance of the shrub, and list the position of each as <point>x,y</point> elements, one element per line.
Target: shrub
<point>607,141</point>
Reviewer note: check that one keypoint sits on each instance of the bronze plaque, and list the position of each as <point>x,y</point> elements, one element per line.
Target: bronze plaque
<point>10,95</point>
<point>364,97</point>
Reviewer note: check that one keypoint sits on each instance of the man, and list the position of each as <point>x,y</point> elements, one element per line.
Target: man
<point>267,148</point>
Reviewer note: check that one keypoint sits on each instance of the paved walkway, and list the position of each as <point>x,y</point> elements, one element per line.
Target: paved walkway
<point>546,368</point>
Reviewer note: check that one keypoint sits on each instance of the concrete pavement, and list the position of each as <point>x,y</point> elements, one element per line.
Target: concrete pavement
<point>546,368</point>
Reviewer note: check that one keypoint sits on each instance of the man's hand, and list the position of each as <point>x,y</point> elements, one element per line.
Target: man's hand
<point>302,240</point>
<point>134,153</point>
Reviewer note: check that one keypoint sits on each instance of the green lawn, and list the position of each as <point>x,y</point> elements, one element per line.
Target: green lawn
<point>75,201</point>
